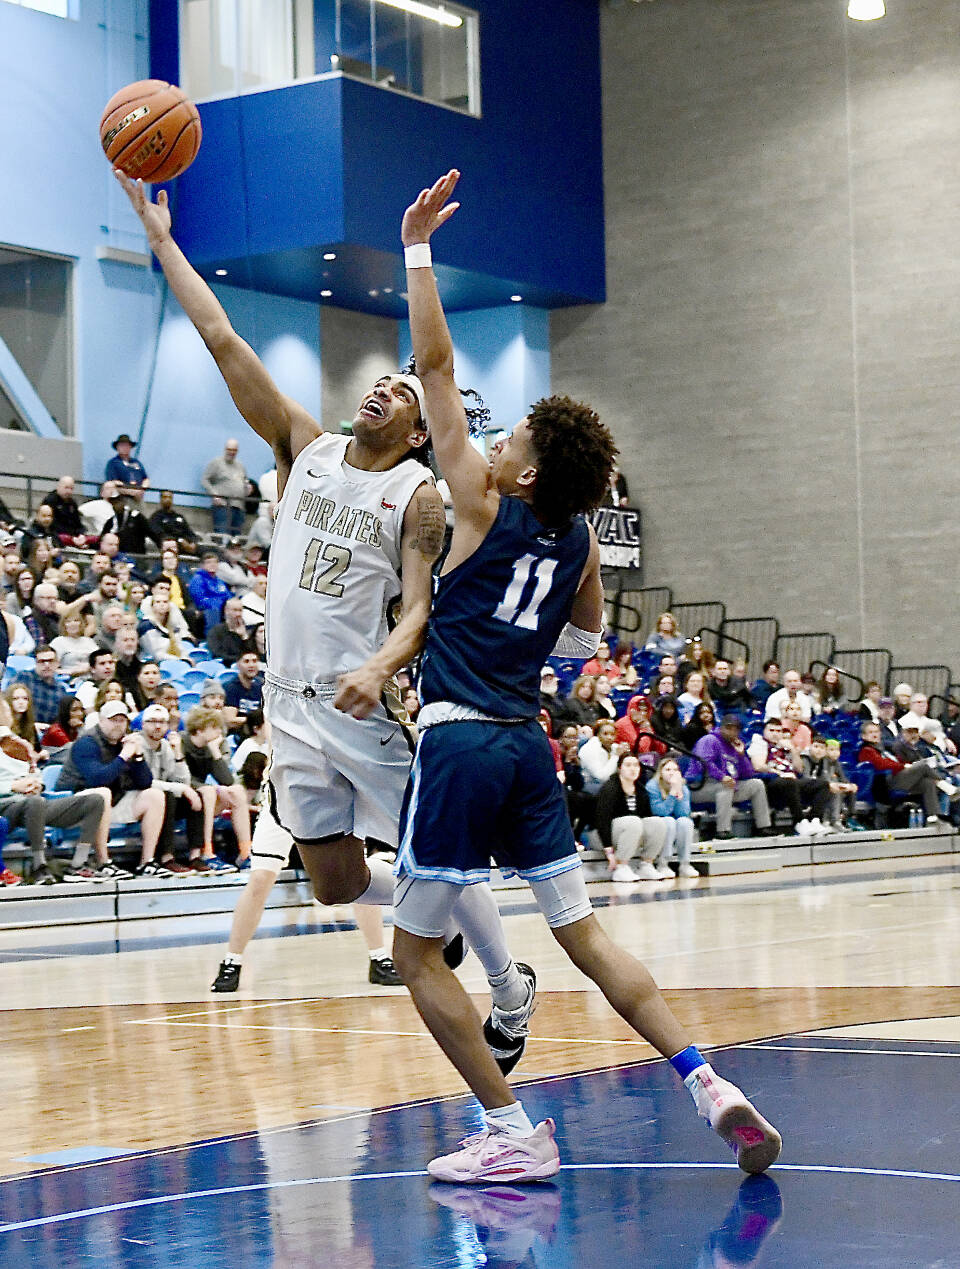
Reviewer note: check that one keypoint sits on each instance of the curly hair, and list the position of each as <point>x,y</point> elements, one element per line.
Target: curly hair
<point>478,416</point>
<point>575,455</point>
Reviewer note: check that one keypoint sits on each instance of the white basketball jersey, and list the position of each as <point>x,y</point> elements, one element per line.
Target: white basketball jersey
<point>335,561</point>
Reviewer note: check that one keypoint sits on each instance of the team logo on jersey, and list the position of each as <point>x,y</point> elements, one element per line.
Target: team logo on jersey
<point>388,506</point>
<point>340,521</point>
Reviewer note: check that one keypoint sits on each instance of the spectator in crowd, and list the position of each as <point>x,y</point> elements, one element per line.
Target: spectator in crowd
<point>163,630</point>
<point>208,592</point>
<point>23,718</point>
<point>775,759</point>
<point>550,699</point>
<point>580,804</point>
<point>628,676</point>
<point>666,637</point>
<point>901,699</point>
<point>791,691</point>
<point>232,568</point>
<point>411,703</point>
<point>254,560</point>
<point>916,778</point>
<point>258,635</point>
<point>134,593</point>
<point>43,620</point>
<point>23,805</point>
<point>254,738</point>
<point>665,721</point>
<point>581,705</point>
<point>261,531</point>
<point>254,602</point>
<point>602,663</point>
<point>68,587</point>
<point>636,730</point>
<point>21,640</point>
<point>951,722</point>
<point>103,666</point>
<point>822,762</point>
<point>40,529</point>
<point>168,697</point>
<point>67,523</point>
<point>666,668</point>
<point>129,664</point>
<point>147,686</point>
<point>111,690</point>
<point>110,547</point>
<point>69,725</point>
<point>171,776</point>
<point>12,564</point>
<point>702,722</point>
<point>918,715</point>
<point>108,758</point>
<point>203,750</point>
<point>92,574</point>
<point>72,646</point>
<point>793,725</point>
<point>213,698</point>
<point>225,480</point>
<point>696,657</point>
<point>829,693</point>
<point>868,708</point>
<point>616,494</point>
<point>600,755</point>
<point>110,624</point>
<point>738,674</point>
<point>42,682</point>
<point>130,525</point>
<point>765,686</point>
<point>20,598</point>
<point>602,690</point>
<point>229,639</point>
<point>95,513</point>
<point>670,800</point>
<point>544,719</point>
<point>167,522</point>
<point>170,570</point>
<point>126,472</point>
<point>243,691</point>
<point>726,693</point>
<point>626,823</point>
<point>730,778</point>
<point>694,694</point>
<point>665,685</point>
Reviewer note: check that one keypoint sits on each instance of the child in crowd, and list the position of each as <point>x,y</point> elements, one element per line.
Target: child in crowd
<point>822,762</point>
<point>670,799</point>
<point>203,752</point>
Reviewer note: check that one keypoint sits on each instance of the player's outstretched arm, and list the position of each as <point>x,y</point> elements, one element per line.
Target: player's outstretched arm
<point>282,422</point>
<point>420,545</point>
<point>586,611</point>
<point>464,468</point>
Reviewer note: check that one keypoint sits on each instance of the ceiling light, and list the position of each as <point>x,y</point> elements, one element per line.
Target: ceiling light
<point>373,294</point>
<point>430,11</point>
<point>329,255</point>
<point>866,10</point>
<point>388,290</point>
<point>516,298</point>
<point>326,294</point>
<point>221,273</point>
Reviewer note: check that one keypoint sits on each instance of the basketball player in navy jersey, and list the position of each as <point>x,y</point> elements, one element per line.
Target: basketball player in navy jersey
<point>522,580</point>
<point>357,525</point>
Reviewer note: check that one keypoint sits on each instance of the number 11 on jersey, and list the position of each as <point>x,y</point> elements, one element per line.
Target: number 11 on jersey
<point>509,609</point>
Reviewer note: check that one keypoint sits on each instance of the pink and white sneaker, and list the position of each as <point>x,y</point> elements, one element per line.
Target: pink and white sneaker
<point>488,1157</point>
<point>755,1142</point>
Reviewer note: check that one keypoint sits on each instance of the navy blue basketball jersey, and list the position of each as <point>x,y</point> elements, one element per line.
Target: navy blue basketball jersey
<point>497,616</point>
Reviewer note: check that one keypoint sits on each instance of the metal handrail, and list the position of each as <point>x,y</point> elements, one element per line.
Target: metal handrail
<point>723,639</point>
<point>843,674</point>
<point>33,483</point>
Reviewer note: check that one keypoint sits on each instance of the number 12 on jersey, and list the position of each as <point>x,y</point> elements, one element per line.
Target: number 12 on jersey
<point>509,609</point>
<point>324,581</point>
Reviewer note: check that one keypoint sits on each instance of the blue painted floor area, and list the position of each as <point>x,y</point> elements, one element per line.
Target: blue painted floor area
<point>870,1177</point>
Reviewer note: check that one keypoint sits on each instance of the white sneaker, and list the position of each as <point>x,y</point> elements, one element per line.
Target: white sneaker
<point>664,872</point>
<point>754,1141</point>
<point>623,872</point>
<point>932,819</point>
<point>500,1156</point>
<point>817,829</point>
<point>647,872</point>
<point>687,870</point>
<point>803,829</point>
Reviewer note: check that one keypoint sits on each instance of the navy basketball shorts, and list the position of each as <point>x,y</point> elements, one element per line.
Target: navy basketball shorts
<point>481,790</point>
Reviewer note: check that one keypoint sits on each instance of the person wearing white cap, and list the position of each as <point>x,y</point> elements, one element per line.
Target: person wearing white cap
<point>107,758</point>
<point>163,755</point>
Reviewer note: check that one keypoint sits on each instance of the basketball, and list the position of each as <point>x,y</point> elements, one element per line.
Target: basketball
<point>150,130</point>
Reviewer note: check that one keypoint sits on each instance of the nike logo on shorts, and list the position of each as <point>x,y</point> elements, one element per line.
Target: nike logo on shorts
<point>387,741</point>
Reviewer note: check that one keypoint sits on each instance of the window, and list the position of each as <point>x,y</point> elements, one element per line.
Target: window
<point>56,8</point>
<point>36,335</point>
<point>429,50</point>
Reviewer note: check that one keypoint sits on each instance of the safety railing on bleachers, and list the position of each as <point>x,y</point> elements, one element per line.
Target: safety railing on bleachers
<point>852,684</point>
<point>24,491</point>
<point>932,680</point>
<point>795,650</point>
<point>870,665</point>
<point>635,612</point>
<point>759,634</point>
<point>721,645</point>
<point>691,616</point>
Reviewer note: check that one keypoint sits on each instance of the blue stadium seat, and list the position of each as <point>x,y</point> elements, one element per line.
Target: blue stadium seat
<point>209,668</point>
<point>188,700</point>
<point>193,680</point>
<point>173,668</point>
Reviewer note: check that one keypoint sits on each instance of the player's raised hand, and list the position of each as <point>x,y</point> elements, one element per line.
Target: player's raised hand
<point>155,216</point>
<point>430,211</point>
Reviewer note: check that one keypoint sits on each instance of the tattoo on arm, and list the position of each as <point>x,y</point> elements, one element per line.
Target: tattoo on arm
<point>431,524</point>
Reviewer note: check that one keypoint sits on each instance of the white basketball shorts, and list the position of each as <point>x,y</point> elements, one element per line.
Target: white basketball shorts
<point>330,774</point>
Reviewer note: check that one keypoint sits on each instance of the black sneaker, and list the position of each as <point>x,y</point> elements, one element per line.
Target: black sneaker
<point>113,872</point>
<point>383,973</point>
<point>42,876</point>
<point>152,869</point>
<point>506,1030</point>
<point>228,977</point>
<point>455,952</point>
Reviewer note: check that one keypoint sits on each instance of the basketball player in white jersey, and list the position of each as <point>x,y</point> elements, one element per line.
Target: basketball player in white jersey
<point>354,519</point>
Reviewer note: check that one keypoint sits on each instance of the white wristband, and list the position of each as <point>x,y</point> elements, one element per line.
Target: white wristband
<point>574,642</point>
<point>418,256</point>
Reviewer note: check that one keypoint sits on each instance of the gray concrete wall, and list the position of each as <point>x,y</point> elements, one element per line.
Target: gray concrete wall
<point>779,356</point>
<point>356,349</point>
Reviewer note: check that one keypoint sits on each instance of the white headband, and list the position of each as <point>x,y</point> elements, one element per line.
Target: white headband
<point>416,387</point>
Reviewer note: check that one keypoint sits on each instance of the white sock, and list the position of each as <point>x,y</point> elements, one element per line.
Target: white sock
<point>380,890</point>
<point>691,1083</point>
<point>508,990</point>
<point>510,1119</point>
<point>379,954</point>
<point>234,958</point>
<point>477,915</point>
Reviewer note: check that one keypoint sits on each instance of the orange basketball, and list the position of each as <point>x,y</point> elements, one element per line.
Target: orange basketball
<point>150,130</point>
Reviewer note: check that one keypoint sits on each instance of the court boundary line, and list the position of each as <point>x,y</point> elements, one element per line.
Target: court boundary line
<point>829,1048</point>
<point>158,1200</point>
